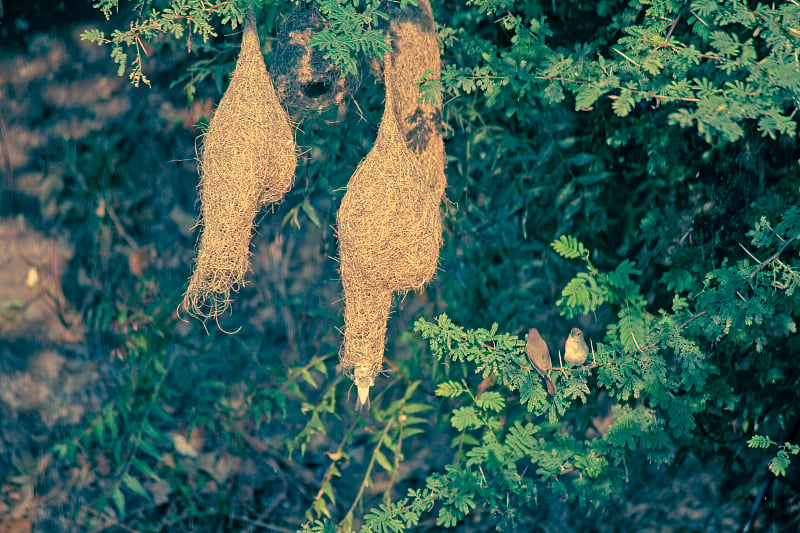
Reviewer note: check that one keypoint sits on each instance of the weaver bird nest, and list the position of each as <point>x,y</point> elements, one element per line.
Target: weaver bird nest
<point>247,161</point>
<point>307,82</point>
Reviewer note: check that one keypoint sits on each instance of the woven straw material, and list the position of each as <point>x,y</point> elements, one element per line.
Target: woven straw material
<point>366,314</point>
<point>389,230</point>
<point>248,160</point>
<point>389,224</point>
<point>416,52</point>
<point>307,82</point>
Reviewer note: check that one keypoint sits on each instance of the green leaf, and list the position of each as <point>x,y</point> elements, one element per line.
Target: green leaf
<point>760,441</point>
<point>309,210</point>
<point>632,330</point>
<point>134,485</point>
<point>93,35</point>
<point>779,463</point>
<point>119,501</point>
<point>465,418</point>
<point>582,295</point>
<point>144,468</point>
<point>623,104</point>
<point>491,400</point>
<point>383,461</point>
<point>586,96</point>
<point>450,389</point>
<point>569,247</point>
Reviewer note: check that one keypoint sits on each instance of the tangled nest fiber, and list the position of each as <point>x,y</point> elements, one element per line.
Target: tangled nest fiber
<point>248,160</point>
<point>307,82</point>
<point>390,231</point>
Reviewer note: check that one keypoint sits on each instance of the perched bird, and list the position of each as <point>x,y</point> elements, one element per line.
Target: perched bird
<point>539,356</point>
<point>575,349</point>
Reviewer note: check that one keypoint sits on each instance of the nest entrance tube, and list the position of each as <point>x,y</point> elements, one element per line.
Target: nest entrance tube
<point>247,161</point>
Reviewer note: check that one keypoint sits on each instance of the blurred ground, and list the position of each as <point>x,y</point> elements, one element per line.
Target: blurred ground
<point>99,202</point>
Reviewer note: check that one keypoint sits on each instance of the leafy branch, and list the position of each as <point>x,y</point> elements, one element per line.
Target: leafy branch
<point>180,18</point>
<point>782,459</point>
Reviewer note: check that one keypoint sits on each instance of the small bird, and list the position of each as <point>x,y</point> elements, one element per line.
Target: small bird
<point>539,355</point>
<point>575,349</point>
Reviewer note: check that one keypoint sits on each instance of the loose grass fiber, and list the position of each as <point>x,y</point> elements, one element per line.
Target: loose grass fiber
<point>390,231</point>
<point>248,160</point>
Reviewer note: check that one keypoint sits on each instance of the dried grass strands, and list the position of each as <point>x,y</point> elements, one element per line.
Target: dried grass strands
<point>389,230</point>
<point>366,314</point>
<point>248,161</point>
<point>307,81</point>
<point>416,52</point>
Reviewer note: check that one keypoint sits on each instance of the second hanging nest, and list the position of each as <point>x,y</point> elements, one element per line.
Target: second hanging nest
<point>390,226</point>
<point>247,161</point>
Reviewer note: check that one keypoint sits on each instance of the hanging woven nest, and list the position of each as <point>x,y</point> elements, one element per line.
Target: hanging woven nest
<point>390,231</point>
<point>247,161</point>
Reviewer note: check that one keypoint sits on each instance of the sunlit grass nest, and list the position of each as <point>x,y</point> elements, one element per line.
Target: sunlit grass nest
<point>415,55</point>
<point>389,230</point>
<point>247,161</point>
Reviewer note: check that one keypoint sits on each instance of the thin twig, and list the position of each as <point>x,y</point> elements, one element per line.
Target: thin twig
<point>774,256</point>
<point>368,473</point>
<point>635,91</point>
<point>112,214</point>
<point>674,23</point>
